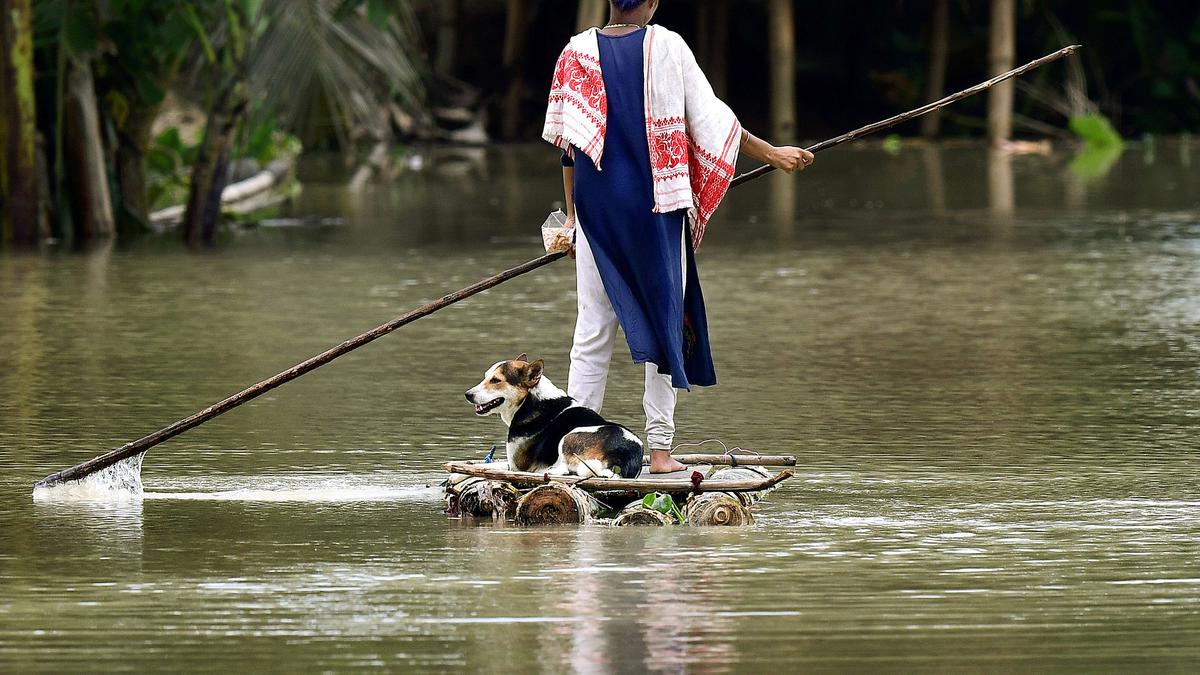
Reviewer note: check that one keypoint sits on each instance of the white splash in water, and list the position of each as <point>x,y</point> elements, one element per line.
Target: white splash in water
<point>120,482</point>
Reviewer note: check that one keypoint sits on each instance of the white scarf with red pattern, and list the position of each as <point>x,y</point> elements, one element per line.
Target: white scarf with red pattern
<point>693,136</point>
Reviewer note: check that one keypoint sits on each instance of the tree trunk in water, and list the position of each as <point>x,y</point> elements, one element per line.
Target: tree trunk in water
<point>783,72</point>
<point>935,85</point>
<point>134,139</point>
<point>591,13</point>
<point>1001,54</point>
<point>211,170</point>
<point>704,33</point>
<point>447,36</point>
<point>712,42</point>
<point>718,66</point>
<point>87,177</point>
<point>18,125</point>
<point>515,39</point>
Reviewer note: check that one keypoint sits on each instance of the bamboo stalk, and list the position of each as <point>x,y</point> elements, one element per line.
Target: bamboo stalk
<point>146,442</point>
<point>643,485</point>
<point>917,112</point>
<point>733,460</point>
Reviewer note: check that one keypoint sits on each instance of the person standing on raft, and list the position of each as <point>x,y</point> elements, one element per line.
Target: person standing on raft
<point>648,149</point>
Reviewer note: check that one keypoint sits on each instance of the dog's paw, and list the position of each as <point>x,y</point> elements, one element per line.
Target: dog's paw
<point>558,470</point>
<point>591,469</point>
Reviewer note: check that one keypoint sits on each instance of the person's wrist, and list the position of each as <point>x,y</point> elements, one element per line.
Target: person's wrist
<point>773,156</point>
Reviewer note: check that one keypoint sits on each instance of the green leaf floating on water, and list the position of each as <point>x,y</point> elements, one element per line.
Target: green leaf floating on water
<point>663,504</point>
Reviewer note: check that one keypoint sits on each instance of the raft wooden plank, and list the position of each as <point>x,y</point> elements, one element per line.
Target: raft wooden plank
<point>686,474</point>
<point>735,460</point>
<point>529,479</point>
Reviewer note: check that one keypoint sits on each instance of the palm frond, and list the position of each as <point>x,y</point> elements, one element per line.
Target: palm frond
<point>322,72</point>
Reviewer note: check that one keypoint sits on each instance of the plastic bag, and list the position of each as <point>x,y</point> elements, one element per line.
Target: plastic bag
<point>556,236</point>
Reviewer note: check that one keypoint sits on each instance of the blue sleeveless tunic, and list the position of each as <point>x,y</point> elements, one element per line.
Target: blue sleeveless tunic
<point>638,251</point>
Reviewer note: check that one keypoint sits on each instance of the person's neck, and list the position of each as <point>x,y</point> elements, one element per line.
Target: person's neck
<point>632,21</point>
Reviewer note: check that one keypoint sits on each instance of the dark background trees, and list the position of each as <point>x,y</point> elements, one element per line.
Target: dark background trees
<point>86,153</point>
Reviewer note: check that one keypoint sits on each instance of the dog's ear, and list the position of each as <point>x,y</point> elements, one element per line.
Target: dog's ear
<point>533,373</point>
<point>522,357</point>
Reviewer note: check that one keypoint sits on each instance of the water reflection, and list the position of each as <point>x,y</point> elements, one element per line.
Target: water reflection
<point>935,179</point>
<point>783,190</point>
<point>1002,200</point>
<point>98,529</point>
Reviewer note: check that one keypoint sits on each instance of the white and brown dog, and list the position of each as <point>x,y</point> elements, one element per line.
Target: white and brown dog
<point>549,431</point>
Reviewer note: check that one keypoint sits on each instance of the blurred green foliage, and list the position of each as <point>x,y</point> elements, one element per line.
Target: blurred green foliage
<point>1102,146</point>
<point>1095,130</point>
<point>169,158</point>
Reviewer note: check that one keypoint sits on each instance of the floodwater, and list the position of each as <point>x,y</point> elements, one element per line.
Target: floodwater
<point>986,366</point>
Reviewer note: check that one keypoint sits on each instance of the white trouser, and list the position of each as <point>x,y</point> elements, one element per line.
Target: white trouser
<point>595,335</point>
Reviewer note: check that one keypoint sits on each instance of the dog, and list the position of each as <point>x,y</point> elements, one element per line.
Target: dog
<point>549,431</point>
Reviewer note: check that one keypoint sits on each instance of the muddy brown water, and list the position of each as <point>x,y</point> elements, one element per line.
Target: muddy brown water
<point>986,367</point>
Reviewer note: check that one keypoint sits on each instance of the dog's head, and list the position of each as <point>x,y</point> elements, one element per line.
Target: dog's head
<point>505,386</point>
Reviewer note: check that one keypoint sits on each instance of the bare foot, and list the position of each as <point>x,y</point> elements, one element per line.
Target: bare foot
<point>661,461</point>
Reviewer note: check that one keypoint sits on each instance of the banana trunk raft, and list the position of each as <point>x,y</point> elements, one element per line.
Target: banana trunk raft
<point>713,490</point>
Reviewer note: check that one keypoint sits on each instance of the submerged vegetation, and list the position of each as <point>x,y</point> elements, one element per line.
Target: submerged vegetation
<point>97,157</point>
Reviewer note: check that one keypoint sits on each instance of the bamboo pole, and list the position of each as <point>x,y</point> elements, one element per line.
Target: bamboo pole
<point>917,112</point>
<point>146,442</point>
